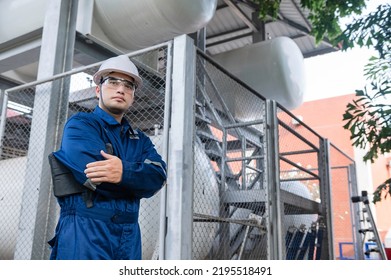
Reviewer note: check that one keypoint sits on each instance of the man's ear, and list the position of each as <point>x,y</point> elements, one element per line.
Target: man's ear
<point>97,92</point>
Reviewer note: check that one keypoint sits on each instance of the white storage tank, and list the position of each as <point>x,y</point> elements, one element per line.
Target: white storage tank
<point>18,18</point>
<point>274,68</point>
<point>120,24</point>
<point>133,25</point>
<point>11,192</point>
<point>298,220</point>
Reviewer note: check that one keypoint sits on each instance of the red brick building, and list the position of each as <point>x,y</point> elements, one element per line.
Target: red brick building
<point>325,116</point>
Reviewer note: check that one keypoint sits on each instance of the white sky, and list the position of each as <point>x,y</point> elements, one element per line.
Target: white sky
<point>338,73</point>
<point>335,74</point>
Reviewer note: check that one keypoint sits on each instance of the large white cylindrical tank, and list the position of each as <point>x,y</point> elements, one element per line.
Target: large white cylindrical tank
<point>11,192</point>
<point>20,17</point>
<point>122,24</point>
<point>274,68</point>
<point>299,220</point>
<point>134,25</point>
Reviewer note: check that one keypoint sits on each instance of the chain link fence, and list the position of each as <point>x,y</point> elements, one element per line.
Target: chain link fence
<point>342,180</point>
<point>15,132</point>
<point>233,216</point>
<point>230,196</point>
<point>304,222</point>
<point>236,210</point>
<point>17,156</point>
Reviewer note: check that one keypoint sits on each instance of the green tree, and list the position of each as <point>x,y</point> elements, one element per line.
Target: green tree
<point>324,15</point>
<point>368,117</point>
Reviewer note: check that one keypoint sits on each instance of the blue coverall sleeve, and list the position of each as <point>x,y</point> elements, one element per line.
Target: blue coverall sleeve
<point>143,179</point>
<point>81,144</point>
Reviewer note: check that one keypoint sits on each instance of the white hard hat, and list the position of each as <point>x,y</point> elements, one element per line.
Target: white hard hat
<point>119,64</point>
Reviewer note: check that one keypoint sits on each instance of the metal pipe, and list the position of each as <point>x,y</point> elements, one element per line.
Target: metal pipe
<point>3,118</point>
<point>166,131</point>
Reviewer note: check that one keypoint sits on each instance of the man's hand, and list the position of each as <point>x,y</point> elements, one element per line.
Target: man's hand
<point>108,170</point>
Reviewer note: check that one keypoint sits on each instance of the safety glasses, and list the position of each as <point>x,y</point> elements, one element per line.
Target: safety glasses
<point>115,83</point>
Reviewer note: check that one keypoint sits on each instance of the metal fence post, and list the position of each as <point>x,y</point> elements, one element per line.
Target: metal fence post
<point>275,244</point>
<point>3,116</point>
<point>56,56</point>
<point>325,196</point>
<point>180,160</point>
<point>355,209</point>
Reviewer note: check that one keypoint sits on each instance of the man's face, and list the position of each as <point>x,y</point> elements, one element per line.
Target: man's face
<point>117,93</point>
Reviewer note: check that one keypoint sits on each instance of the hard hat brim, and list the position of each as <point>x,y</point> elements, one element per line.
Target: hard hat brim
<point>103,73</point>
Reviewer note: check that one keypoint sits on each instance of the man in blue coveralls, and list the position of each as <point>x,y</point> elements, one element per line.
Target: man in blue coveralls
<point>102,221</point>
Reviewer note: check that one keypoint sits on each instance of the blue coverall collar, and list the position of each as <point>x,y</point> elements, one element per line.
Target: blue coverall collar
<point>110,120</point>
